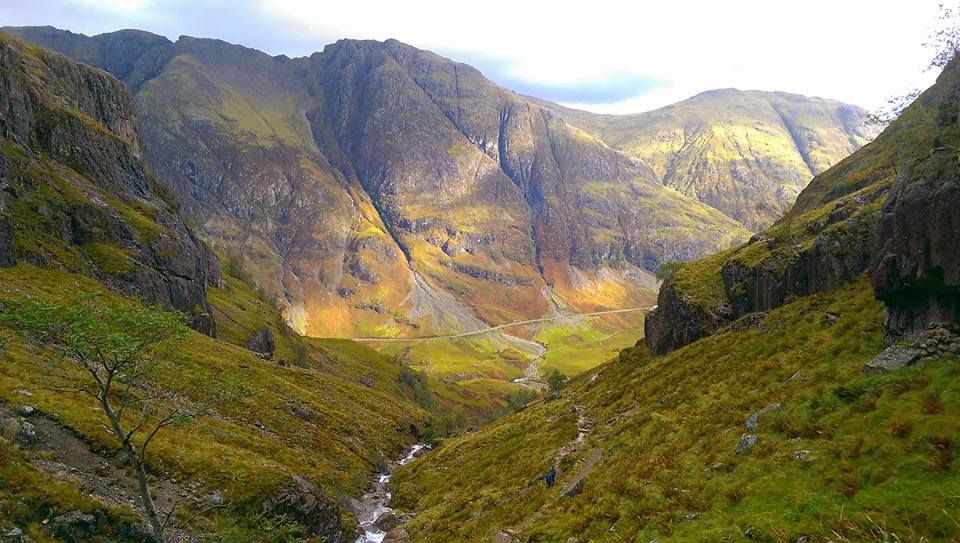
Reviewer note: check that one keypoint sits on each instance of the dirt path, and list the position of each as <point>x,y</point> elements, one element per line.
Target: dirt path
<point>584,427</point>
<point>502,326</point>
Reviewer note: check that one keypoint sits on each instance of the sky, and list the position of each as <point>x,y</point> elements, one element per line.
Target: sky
<point>599,55</point>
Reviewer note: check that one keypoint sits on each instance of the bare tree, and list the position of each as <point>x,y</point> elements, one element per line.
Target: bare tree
<point>944,41</point>
<point>120,345</point>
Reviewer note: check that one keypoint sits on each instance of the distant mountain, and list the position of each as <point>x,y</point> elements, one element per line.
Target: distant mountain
<point>746,153</point>
<point>383,190</point>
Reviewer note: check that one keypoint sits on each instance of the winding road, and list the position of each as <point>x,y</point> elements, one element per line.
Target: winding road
<point>507,325</point>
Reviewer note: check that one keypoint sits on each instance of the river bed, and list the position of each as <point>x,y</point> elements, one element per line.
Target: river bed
<point>375,504</point>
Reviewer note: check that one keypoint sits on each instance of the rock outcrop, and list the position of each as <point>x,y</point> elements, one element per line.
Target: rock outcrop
<point>262,343</point>
<point>306,504</point>
<point>891,209</point>
<point>77,194</point>
<point>917,251</point>
<point>6,243</point>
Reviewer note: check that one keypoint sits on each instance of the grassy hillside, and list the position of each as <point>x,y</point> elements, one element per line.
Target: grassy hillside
<point>746,153</point>
<point>846,457</point>
<point>256,434</point>
<point>81,216</point>
<point>839,206</point>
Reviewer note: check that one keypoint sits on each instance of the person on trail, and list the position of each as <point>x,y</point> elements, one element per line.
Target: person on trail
<point>550,477</point>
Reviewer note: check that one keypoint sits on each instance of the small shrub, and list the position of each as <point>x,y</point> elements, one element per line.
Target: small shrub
<point>416,383</point>
<point>900,428</point>
<point>943,452</point>
<point>931,404</point>
<point>557,381</point>
<point>849,485</point>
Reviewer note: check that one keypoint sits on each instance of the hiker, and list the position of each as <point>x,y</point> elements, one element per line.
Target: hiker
<point>550,477</point>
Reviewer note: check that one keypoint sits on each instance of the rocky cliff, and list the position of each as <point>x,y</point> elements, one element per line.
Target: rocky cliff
<point>379,189</point>
<point>889,208</point>
<point>916,255</point>
<point>75,192</point>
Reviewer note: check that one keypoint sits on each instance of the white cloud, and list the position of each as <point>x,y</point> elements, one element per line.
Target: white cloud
<point>858,51</point>
<point>114,6</point>
<point>854,50</point>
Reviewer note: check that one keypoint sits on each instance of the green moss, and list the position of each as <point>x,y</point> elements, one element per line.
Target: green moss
<point>110,258</point>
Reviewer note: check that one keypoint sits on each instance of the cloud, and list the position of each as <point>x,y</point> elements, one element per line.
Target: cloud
<point>604,55</point>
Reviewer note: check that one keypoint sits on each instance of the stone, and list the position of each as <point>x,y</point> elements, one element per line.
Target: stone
<point>262,344</point>
<point>747,442</point>
<point>75,525</point>
<point>387,522</point>
<point>305,503</point>
<point>13,536</point>
<point>19,431</point>
<point>754,419</point>
<point>399,535</point>
<point>892,359</point>
<point>802,454</point>
<point>26,410</point>
<point>302,412</point>
<point>574,490</point>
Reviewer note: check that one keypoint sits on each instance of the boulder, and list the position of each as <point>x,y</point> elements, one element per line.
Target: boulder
<point>387,522</point>
<point>397,535</point>
<point>75,526</point>
<point>19,431</point>
<point>262,343</point>
<point>892,359</point>
<point>13,536</point>
<point>308,505</point>
<point>574,490</point>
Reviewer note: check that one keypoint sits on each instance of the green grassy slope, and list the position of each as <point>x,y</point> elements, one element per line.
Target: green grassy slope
<point>251,441</point>
<point>847,457</point>
<point>746,153</point>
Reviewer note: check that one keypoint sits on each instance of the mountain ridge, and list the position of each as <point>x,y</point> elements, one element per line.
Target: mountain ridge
<point>428,176</point>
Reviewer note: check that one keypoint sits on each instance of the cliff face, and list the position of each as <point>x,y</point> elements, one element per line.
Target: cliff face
<point>890,209</point>
<point>75,191</point>
<point>917,251</point>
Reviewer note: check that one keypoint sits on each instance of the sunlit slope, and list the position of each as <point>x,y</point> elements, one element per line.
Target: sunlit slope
<point>835,461</point>
<point>376,189</point>
<point>746,153</point>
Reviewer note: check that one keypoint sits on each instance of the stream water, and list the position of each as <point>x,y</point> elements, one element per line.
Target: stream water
<point>374,504</point>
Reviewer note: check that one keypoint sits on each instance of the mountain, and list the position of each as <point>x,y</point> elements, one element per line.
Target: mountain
<point>91,209</point>
<point>828,238</point>
<point>381,190</point>
<point>745,153</point>
<point>799,387</point>
<point>286,429</point>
